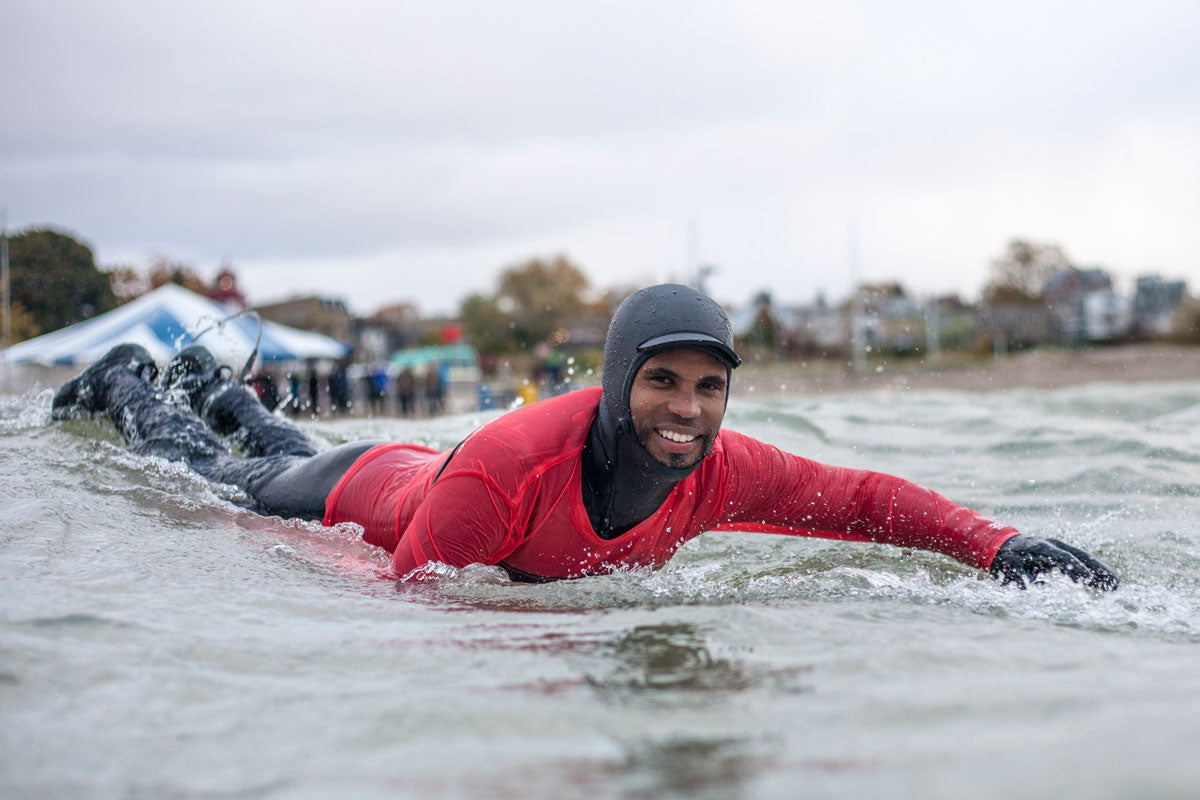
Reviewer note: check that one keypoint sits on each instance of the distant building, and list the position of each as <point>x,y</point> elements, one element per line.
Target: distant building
<point>891,321</point>
<point>1154,304</point>
<point>1107,316</point>
<point>1065,294</point>
<point>320,314</point>
<point>816,330</point>
<point>899,325</point>
<point>394,327</point>
<point>1018,325</point>
<point>955,323</point>
<point>822,329</point>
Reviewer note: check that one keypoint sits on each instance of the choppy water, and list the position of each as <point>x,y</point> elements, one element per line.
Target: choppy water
<point>157,641</point>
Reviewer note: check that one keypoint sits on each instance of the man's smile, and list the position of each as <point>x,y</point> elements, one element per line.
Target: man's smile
<point>682,438</point>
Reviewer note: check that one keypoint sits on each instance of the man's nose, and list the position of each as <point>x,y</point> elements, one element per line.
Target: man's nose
<point>684,403</point>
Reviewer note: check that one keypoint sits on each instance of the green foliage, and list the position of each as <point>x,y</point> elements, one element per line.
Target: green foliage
<point>488,328</point>
<point>535,302</point>
<point>958,332</point>
<point>55,279</point>
<point>1019,276</point>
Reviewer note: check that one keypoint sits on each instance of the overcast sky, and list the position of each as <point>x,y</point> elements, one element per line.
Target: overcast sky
<point>386,151</point>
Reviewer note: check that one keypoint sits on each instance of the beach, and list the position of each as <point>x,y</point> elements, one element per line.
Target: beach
<point>1032,369</point>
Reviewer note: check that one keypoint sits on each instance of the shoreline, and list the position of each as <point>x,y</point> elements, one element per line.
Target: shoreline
<point>1045,368</point>
<point>1031,369</point>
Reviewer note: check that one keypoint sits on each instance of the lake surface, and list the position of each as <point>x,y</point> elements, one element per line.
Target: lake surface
<point>157,641</point>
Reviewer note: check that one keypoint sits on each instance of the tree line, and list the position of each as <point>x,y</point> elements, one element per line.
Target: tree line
<point>537,303</point>
<point>55,282</point>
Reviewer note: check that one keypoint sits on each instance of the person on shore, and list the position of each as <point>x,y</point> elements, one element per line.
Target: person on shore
<point>314,391</point>
<point>597,480</point>
<point>292,401</point>
<point>378,388</point>
<point>435,389</point>
<point>339,389</point>
<point>406,391</point>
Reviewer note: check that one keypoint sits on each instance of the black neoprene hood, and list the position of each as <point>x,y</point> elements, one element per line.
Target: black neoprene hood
<point>622,482</point>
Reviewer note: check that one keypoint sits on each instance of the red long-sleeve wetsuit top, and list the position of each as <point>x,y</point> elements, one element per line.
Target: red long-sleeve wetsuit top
<point>510,495</point>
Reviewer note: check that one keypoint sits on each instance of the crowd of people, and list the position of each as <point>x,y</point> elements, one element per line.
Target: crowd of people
<point>354,389</point>
<point>374,389</point>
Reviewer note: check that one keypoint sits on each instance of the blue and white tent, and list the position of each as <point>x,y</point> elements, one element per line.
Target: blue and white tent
<point>167,319</point>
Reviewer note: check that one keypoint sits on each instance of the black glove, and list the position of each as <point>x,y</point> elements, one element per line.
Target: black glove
<point>1024,558</point>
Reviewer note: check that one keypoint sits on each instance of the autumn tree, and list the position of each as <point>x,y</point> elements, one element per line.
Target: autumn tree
<point>1021,273</point>
<point>543,297</point>
<point>486,326</point>
<point>21,325</point>
<point>164,270</point>
<point>128,283</point>
<point>533,301</point>
<point>1185,323</point>
<point>55,281</point>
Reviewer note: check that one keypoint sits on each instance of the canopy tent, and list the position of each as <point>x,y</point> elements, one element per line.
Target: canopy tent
<point>167,319</point>
<point>454,355</point>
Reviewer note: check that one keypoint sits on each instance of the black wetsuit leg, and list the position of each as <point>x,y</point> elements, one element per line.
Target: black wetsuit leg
<point>287,479</point>
<point>232,409</point>
<point>298,487</point>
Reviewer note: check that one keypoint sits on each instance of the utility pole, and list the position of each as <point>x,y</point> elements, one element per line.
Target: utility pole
<point>933,331</point>
<point>6,330</point>
<point>692,270</point>
<point>697,273</point>
<point>858,345</point>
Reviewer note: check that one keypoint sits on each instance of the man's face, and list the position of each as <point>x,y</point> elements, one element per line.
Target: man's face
<point>678,401</point>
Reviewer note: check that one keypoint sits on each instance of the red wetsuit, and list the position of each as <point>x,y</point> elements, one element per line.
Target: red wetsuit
<point>510,495</point>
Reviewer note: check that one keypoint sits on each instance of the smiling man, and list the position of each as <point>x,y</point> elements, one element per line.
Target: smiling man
<point>590,482</point>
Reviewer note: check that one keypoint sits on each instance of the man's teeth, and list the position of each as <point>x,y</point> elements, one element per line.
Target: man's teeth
<point>682,438</point>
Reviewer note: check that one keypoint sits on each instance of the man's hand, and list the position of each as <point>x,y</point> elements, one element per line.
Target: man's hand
<point>1024,558</point>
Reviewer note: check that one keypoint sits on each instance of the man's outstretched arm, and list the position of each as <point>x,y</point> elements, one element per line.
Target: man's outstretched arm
<point>768,485</point>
